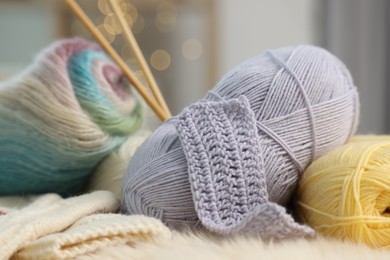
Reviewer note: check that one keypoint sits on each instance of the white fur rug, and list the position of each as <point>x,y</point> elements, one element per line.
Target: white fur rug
<point>191,247</point>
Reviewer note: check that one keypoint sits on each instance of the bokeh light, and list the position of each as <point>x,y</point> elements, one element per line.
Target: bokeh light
<point>160,60</point>
<point>166,17</point>
<point>104,7</point>
<point>192,49</point>
<point>139,25</point>
<point>130,10</point>
<point>112,22</point>
<point>110,37</point>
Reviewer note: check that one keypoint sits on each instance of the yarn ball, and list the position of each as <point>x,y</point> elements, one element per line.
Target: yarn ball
<point>305,105</point>
<point>346,193</point>
<point>60,117</point>
<point>109,173</point>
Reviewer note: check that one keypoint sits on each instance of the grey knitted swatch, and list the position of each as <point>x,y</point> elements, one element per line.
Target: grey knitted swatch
<point>226,171</point>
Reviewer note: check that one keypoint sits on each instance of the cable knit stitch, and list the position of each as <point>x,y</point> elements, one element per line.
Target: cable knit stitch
<point>226,171</point>
<point>47,215</point>
<point>92,233</point>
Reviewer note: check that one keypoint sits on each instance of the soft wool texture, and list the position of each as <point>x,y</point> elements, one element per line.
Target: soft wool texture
<point>346,193</point>
<point>304,104</point>
<point>109,173</point>
<point>60,117</point>
<point>195,247</point>
<point>49,214</point>
<point>95,232</point>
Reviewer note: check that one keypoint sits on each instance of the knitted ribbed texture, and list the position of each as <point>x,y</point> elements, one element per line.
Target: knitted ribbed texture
<point>226,171</point>
<point>49,214</point>
<point>94,232</point>
<point>60,117</point>
<point>304,103</point>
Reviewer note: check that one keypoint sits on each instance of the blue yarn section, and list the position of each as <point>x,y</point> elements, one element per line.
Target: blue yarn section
<point>93,100</point>
<point>81,76</point>
<point>32,163</point>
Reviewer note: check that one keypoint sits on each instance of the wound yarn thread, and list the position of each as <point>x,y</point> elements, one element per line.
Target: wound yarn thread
<point>345,194</point>
<point>60,117</point>
<point>304,104</point>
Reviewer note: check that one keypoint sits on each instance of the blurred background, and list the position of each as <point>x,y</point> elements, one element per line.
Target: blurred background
<point>190,44</point>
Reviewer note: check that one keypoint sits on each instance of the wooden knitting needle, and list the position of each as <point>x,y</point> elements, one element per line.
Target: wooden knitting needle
<point>129,37</point>
<point>76,9</point>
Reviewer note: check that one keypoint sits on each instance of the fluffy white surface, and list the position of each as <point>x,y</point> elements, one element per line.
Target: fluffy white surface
<point>191,247</point>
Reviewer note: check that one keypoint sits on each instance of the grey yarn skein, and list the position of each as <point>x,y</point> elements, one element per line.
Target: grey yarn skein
<point>305,105</point>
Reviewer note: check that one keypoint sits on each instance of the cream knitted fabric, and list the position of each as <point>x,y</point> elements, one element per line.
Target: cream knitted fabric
<point>93,232</point>
<point>226,170</point>
<point>47,215</point>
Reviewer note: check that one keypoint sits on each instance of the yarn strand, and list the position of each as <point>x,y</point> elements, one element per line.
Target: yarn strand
<point>307,101</point>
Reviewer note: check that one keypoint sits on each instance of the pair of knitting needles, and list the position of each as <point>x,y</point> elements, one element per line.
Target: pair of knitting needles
<point>157,102</point>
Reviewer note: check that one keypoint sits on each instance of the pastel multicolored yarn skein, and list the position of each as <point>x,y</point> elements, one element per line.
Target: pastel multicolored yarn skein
<point>60,117</point>
<point>304,104</point>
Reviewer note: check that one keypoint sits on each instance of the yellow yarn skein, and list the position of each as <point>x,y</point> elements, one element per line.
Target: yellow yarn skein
<point>346,193</point>
<point>369,138</point>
